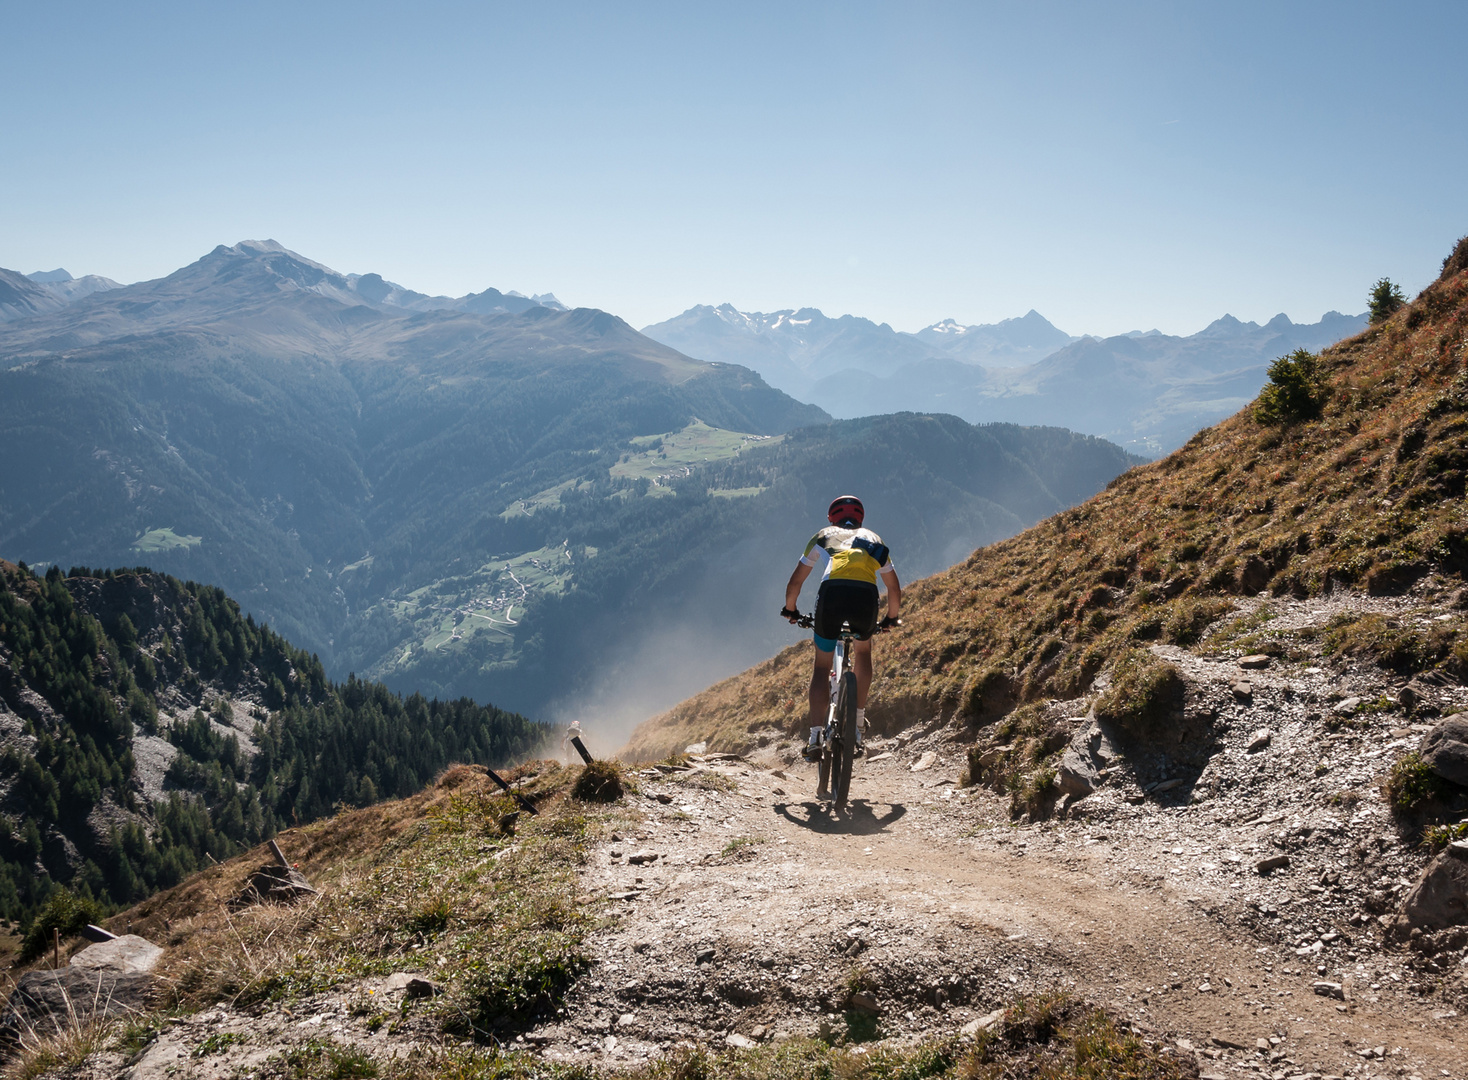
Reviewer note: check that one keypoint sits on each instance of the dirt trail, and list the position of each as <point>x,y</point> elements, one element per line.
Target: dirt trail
<point>762,903</point>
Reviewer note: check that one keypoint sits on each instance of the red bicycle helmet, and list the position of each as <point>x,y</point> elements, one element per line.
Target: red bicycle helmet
<point>846,508</point>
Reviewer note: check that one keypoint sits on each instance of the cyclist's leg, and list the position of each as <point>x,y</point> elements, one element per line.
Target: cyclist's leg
<point>861,663</point>
<point>820,688</point>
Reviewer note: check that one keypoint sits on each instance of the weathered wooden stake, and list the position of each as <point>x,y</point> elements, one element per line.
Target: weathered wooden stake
<point>500,780</point>
<point>279,855</point>
<point>55,947</point>
<point>581,749</point>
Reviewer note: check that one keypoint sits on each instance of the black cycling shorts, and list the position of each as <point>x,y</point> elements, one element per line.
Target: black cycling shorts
<point>838,602</point>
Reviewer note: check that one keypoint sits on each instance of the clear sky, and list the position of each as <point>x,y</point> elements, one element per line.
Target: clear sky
<point>1116,166</point>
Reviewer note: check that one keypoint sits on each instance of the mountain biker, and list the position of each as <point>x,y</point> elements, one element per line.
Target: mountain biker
<point>572,732</point>
<point>853,558</point>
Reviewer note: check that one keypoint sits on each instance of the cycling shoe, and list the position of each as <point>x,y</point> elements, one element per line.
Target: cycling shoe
<point>812,752</point>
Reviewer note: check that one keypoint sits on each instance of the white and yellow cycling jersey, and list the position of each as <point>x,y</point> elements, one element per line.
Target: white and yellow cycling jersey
<point>850,554</point>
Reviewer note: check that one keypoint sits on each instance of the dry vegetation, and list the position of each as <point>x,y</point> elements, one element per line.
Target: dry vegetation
<point>1367,495</point>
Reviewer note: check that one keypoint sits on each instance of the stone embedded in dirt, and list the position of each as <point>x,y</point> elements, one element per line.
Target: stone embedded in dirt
<point>421,988</point>
<point>663,798</point>
<point>1445,749</point>
<point>777,791</point>
<point>1242,689</point>
<point>1083,766</point>
<point>928,759</point>
<point>1330,989</point>
<point>883,756</point>
<point>1271,864</point>
<point>122,955</point>
<point>983,1023</point>
<point>697,748</point>
<point>705,956</point>
<point>1440,897</point>
<point>864,1002</point>
<point>71,995</point>
<point>1262,738</point>
<point>1346,706</point>
<point>1167,785</point>
<point>740,1042</point>
<point>273,883</point>
<point>643,857</point>
<point>1257,660</point>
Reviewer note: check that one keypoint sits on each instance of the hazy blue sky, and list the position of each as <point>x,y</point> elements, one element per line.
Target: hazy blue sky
<point>1116,166</point>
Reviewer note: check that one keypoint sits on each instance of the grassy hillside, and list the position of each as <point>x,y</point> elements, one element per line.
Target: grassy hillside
<point>1363,492</point>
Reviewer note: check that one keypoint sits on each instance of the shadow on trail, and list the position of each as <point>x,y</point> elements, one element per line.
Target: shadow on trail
<point>858,819</point>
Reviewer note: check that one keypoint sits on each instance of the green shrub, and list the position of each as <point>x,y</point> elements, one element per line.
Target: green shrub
<point>64,912</point>
<point>1145,693</point>
<point>1386,300</point>
<point>1296,390</point>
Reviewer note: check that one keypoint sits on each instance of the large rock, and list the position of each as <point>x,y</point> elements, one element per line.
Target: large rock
<point>273,883</point>
<point>1090,752</point>
<point>1440,897</point>
<point>1445,749</point>
<point>122,955</point>
<point>48,1002</point>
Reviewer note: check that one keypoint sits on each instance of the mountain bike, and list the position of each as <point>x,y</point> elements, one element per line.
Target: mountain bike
<point>838,738</point>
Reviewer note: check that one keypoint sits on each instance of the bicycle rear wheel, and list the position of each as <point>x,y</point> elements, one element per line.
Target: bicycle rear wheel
<point>845,746</point>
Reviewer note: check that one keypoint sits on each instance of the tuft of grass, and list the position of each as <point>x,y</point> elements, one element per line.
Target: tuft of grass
<point>1386,642</point>
<point>1189,617</point>
<point>600,782</point>
<point>322,1059</point>
<point>218,1042</point>
<point>1437,837</point>
<point>1145,694</point>
<point>1412,789</point>
<point>741,847</point>
<point>63,1045</point>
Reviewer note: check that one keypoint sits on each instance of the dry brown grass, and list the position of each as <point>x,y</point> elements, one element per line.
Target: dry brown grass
<point>1368,496</point>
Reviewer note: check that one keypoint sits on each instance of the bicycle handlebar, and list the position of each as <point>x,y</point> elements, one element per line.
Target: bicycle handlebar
<point>808,622</point>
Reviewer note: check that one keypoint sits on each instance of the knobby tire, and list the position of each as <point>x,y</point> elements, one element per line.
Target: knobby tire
<point>846,745</point>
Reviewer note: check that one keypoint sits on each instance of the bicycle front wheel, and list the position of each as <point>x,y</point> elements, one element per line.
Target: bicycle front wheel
<point>846,744</point>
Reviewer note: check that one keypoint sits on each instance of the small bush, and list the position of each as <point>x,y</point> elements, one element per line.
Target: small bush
<point>1295,392</point>
<point>62,911</point>
<point>1385,300</point>
<point>1144,694</point>
<point>601,781</point>
<point>1412,788</point>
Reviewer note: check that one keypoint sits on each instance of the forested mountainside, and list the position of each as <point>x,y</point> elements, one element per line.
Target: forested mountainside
<point>1348,473</point>
<point>449,499</point>
<point>147,726</point>
<point>656,577</point>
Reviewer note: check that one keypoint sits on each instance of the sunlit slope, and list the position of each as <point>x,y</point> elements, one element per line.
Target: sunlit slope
<point>1368,495</point>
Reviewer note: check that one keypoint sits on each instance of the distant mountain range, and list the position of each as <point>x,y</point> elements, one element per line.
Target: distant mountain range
<point>22,296</point>
<point>1146,391</point>
<point>459,497</point>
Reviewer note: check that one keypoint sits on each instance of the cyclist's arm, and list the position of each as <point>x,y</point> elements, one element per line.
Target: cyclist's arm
<point>792,587</point>
<point>894,591</point>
